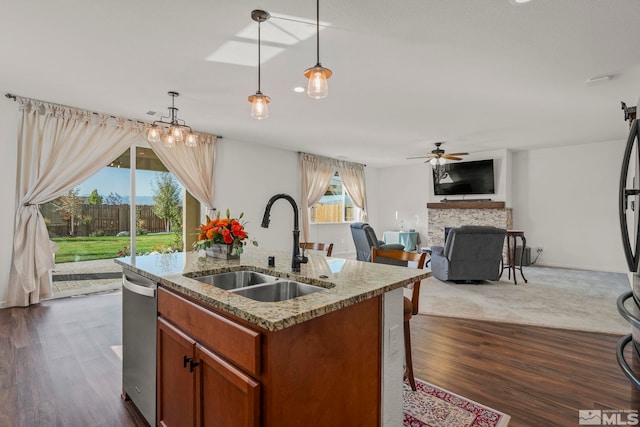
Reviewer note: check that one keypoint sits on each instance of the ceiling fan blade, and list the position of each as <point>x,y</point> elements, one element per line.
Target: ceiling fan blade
<point>457,154</point>
<point>421,157</point>
<point>448,157</point>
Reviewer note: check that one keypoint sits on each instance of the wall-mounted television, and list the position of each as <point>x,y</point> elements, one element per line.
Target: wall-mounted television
<point>466,178</point>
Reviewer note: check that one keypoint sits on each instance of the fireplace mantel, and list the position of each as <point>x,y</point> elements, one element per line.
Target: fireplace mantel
<point>466,204</point>
<point>464,212</point>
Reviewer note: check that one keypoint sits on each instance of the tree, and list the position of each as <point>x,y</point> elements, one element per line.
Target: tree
<point>166,196</point>
<point>69,206</point>
<point>113,199</point>
<point>94,199</point>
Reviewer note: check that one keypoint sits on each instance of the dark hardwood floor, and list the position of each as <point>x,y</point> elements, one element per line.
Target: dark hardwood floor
<point>57,367</point>
<point>539,376</point>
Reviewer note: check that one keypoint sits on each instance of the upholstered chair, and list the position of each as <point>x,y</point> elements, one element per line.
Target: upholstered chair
<point>470,253</point>
<point>365,238</point>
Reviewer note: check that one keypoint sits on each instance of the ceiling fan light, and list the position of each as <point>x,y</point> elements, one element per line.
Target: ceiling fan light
<point>442,160</point>
<point>434,161</point>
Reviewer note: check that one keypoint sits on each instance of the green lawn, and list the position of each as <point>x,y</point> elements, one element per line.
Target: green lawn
<point>105,247</point>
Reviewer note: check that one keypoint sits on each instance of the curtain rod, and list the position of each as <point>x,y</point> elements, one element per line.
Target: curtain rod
<point>339,160</point>
<point>15,98</point>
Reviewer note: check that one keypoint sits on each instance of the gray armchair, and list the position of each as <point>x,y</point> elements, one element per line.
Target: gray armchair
<point>364,238</point>
<point>470,253</point>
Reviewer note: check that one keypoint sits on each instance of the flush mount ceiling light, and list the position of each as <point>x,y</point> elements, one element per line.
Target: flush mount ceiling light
<point>259,102</point>
<point>317,74</point>
<point>172,131</point>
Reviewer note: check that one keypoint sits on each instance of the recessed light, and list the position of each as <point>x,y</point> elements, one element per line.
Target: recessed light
<point>519,1</point>
<point>298,89</point>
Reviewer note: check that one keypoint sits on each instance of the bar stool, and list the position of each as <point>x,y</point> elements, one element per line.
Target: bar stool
<point>511,254</point>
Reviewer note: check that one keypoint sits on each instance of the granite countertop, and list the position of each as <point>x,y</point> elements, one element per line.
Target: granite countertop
<point>347,281</point>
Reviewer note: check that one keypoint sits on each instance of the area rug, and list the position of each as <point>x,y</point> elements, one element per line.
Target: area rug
<point>554,297</point>
<point>431,406</point>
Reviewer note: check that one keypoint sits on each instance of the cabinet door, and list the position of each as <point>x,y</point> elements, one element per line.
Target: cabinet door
<point>228,397</point>
<point>176,380</point>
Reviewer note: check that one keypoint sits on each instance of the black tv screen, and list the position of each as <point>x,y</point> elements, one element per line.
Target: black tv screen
<point>466,178</point>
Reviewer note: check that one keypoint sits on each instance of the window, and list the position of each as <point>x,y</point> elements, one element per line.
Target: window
<point>335,205</point>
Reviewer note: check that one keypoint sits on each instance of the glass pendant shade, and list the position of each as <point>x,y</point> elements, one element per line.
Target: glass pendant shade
<point>176,132</point>
<point>318,87</point>
<point>442,160</point>
<point>153,134</point>
<point>259,106</point>
<point>434,161</point>
<point>168,140</point>
<point>191,140</point>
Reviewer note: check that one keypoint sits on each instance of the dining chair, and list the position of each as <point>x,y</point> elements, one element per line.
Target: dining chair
<point>394,257</point>
<point>317,247</point>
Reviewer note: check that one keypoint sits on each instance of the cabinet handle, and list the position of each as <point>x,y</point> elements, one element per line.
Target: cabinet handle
<point>187,360</point>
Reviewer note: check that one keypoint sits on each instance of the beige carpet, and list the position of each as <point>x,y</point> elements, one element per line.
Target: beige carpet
<point>555,297</point>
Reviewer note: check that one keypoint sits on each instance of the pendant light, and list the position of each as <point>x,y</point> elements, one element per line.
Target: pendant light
<point>317,74</point>
<point>259,102</point>
<point>172,131</point>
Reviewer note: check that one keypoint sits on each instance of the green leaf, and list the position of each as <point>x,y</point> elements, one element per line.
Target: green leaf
<point>228,214</point>
<point>255,243</point>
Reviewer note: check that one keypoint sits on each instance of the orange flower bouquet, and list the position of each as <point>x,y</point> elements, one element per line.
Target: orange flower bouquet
<point>228,232</point>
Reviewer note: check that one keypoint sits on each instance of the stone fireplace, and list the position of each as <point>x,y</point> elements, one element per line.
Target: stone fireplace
<point>458,213</point>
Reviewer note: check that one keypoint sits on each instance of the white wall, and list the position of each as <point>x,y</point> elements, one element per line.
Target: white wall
<point>403,192</point>
<point>247,175</point>
<point>8,166</point>
<point>566,200</point>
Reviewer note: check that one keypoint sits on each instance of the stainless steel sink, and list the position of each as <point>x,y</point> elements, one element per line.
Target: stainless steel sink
<point>236,279</point>
<point>281,290</point>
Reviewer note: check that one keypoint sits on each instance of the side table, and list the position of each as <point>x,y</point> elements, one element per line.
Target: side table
<point>511,254</point>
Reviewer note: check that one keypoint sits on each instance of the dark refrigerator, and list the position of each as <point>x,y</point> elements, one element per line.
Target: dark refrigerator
<point>629,210</point>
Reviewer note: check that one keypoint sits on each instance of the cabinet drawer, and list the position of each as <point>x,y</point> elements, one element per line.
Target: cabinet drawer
<point>236,343</point>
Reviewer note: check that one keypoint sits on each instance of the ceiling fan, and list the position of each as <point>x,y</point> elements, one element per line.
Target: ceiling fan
<point>438,156</point>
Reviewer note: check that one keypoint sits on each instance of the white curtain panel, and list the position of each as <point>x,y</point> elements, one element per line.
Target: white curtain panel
<point>353,179</point>
<point>192,166</point>
<point>317,172</point>
<point>58,148</point>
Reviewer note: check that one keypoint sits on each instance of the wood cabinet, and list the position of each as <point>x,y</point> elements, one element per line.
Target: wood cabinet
<point>322,372</point>
<point>176,384</point>
<point>227,397</point>
<point>198,388</point>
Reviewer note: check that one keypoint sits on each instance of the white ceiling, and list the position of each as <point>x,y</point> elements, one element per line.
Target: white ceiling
<point>479,74</point>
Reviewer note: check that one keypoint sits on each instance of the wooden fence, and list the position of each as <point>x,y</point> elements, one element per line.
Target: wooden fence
<point>106,220</point>
<point>331,213</point>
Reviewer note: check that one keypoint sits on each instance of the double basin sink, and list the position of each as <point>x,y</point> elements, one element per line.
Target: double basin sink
<point>259,286</point>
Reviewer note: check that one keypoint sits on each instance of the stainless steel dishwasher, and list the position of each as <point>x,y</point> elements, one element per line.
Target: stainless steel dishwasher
<point>139,315</point>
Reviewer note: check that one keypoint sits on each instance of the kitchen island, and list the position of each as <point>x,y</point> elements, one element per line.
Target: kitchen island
<point>333,357</point>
